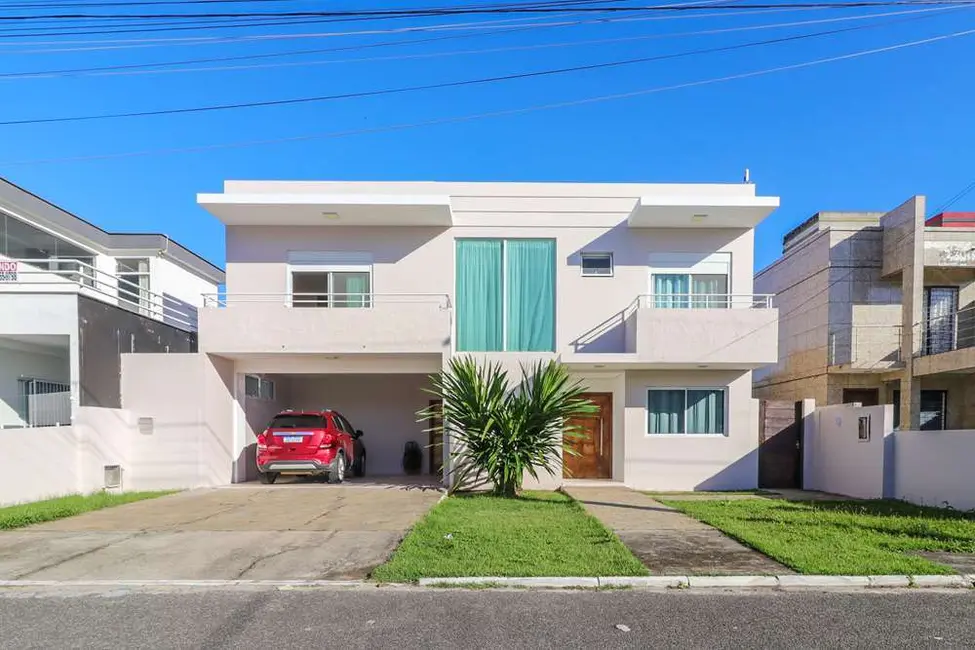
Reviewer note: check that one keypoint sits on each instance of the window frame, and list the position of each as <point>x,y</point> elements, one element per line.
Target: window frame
<point>261,394</point>
<point>596,254</point>
<point>127,290</point>
<point>684,434</point>
<point>328,270</point>
<point>690,265</point>
<point>504,295</point>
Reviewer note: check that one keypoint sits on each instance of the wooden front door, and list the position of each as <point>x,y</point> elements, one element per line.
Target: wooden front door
<point>594,444</point>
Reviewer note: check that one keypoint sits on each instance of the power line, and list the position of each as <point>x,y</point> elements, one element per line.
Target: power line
<point>504,112</point>
<point>955,199</point>
<point>455,11</point>
<point>436,86</point>
<point>150,68</point>
<point>112,44</point>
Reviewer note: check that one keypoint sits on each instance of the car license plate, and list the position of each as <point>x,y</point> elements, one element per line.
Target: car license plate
<point>294,438</point>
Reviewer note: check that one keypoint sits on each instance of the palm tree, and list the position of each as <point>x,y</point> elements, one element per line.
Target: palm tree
<point>501,431</point>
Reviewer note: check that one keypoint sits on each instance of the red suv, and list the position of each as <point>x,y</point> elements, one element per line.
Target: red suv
<point>310,442</point>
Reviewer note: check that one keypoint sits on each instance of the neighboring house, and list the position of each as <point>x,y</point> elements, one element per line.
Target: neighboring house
<point>878,308</point>
<point>74,297</point>
<point>350,294</point>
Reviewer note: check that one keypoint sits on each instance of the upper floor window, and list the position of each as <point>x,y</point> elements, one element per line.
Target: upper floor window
<point>597,265</point>
<point>505,295</point>
<point>330,280</point>
<point>690,280</point>
<point>133,280</point>
<point>22,241</point>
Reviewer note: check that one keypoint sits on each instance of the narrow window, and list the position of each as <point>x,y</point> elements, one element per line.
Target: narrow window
<point>596,265</point>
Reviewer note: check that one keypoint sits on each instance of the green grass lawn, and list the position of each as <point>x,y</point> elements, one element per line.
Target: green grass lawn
<point>538,534</point>
<point>841,537</point>
<point>25,514</point>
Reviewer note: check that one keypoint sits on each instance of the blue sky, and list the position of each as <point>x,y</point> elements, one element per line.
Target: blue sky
<point>858,134</point>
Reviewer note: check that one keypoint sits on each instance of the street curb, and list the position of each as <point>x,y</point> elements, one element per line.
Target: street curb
<point>189,584</point>
<point>789,582</point>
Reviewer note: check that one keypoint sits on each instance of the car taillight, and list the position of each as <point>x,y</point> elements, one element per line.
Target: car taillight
<point>327,442</point>
<point>262,442</point>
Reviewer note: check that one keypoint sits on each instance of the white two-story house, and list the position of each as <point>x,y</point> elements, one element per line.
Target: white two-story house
<point>74,298</point>
<point>349,295</point>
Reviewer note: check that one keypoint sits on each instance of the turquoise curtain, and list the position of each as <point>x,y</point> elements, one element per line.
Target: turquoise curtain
<point>705,411</point>
<point>710,291</point>
<point>478,295</point>
<point>530,294</point>
<point>355,287</point>
<point>665,411</point>
<point>670,290</point>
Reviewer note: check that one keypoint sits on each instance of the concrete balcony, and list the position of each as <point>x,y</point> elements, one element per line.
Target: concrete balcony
<point>729,331</point>
<point>242,324</point>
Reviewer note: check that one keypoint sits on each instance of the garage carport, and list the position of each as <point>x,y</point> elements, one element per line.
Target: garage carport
<point>379,395</point>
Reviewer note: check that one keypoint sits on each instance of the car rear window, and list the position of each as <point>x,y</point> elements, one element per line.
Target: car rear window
<point>297,421</point>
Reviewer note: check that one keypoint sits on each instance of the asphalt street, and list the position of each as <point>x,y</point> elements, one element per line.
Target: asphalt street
<point>370,617</point>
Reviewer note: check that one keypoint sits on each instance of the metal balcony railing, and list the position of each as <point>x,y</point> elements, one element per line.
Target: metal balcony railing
<point>944,333</point>
<point>326,300</point>
<point>90,281</point>
<point>37,404</point>
<point>865,346</point>
<point>706,301</point>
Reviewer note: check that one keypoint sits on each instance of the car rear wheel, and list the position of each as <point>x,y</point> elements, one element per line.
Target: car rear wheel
<point>336,470</point>
<point>359,466</point>
<point>268,478</point>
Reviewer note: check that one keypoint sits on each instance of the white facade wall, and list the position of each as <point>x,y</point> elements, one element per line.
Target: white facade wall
<point>726,461</point>
<point>421,260</point>
<point>180,290</point>
<point>837,460</point>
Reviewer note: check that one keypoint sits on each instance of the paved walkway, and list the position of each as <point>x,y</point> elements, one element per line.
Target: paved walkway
<point>667,541</point>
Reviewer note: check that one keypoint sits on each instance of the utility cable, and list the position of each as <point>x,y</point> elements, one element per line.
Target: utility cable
<point>507,112</point>
<point>435,86</point>
<point>150,68</point>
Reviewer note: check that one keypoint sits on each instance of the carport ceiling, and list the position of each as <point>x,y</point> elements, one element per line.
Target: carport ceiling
<point>271,209</point>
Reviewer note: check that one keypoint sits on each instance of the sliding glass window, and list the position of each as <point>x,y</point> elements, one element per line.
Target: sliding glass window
<point>505,295</point>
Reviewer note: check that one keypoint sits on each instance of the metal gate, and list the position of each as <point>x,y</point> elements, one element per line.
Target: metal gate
<point>779,444</point>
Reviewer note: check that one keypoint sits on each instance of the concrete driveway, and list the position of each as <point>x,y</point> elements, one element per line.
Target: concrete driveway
<point>299,531</point>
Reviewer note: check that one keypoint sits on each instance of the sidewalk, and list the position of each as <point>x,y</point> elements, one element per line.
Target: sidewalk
<point>668,542</point>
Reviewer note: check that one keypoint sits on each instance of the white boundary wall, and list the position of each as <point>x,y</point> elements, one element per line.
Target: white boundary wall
<point>839,461</point>
<point>935,467</point>
<point>932,468</point>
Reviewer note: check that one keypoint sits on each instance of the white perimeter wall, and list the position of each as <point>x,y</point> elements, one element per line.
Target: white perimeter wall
<point>932,468</point>
<point>383,406</point>
<point>837,460</point>
<point>935,467</point>
<point>48,462</point>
